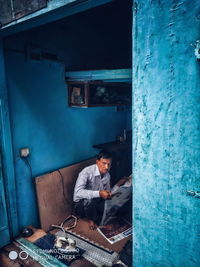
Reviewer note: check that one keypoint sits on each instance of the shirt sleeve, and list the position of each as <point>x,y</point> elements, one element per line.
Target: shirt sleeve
<point>80,192</point>
<point>107,185</point>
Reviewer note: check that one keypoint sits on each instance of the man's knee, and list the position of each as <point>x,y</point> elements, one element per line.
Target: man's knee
<point>79,208</point>
<point>91,209</point>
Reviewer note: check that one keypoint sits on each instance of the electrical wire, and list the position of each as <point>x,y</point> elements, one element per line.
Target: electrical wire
<point>28,164</point>
<point>63,189</point>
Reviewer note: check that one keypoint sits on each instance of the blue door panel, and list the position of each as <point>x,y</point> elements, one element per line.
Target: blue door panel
<point>4,231</point>
<point>166,133</point>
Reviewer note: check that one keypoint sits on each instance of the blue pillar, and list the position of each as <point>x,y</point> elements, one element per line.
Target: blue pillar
<point>166,133</point>
<point>6,151</point>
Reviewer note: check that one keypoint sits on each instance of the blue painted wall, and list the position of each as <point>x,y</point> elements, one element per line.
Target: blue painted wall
<point>40,117</point>
<point>41,120</point>
<point>8,185</point>
<point>166,108</point>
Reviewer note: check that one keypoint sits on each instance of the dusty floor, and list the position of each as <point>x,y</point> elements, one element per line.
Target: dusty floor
<point>82,229</point>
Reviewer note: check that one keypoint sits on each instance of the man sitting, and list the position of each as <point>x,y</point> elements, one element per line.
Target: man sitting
<point>93,197</point>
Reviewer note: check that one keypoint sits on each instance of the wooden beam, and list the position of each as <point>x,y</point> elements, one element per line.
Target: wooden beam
<point>120,75</point>
<point>55,10</point>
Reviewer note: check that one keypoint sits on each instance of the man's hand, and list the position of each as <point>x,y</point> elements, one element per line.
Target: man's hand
<point>105,194</point>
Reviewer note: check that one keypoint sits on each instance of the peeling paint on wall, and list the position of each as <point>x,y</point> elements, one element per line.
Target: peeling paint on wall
<point>166,136</point>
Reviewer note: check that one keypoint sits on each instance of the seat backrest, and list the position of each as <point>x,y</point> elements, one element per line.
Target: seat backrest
<point>55,193</point>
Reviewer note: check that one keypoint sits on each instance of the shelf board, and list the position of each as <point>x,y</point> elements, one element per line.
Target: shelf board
<point>114,75</point>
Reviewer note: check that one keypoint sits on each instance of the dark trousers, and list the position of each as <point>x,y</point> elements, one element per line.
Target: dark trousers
<point>91,209</point>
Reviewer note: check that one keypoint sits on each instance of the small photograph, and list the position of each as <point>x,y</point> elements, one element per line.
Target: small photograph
<point>77,95</point>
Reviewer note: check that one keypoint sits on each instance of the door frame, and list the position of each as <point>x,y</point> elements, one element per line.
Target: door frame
<point>6,142</point>
<point>7,152</point>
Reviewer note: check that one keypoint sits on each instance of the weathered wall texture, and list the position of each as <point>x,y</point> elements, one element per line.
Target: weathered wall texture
<point>166,108</point>
<point>56,134</point>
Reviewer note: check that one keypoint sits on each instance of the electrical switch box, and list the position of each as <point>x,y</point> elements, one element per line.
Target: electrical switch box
<point>24,152</point>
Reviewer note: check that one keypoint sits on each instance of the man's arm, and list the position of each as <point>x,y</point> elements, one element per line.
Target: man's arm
<point>105,194</point>
<point>80,190</point>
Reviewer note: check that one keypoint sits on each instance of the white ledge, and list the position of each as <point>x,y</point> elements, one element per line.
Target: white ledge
<point>120,75</point>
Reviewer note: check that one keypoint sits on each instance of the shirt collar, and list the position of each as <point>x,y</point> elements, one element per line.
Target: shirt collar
<point>97,172</point>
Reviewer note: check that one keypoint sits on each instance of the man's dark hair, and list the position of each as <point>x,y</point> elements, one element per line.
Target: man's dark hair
<point>104,154</point>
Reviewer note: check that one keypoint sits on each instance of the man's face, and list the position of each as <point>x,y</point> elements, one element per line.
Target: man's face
<point>104,165</point>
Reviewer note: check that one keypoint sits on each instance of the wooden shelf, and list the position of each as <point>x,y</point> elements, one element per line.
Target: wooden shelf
<point>114,75</point>
<point>99,88</point>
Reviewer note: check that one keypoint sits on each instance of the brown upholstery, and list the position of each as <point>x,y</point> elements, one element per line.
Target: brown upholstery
<point>55,193</point>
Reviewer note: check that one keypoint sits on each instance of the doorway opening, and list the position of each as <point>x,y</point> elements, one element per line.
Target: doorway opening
<point>92,49</point>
